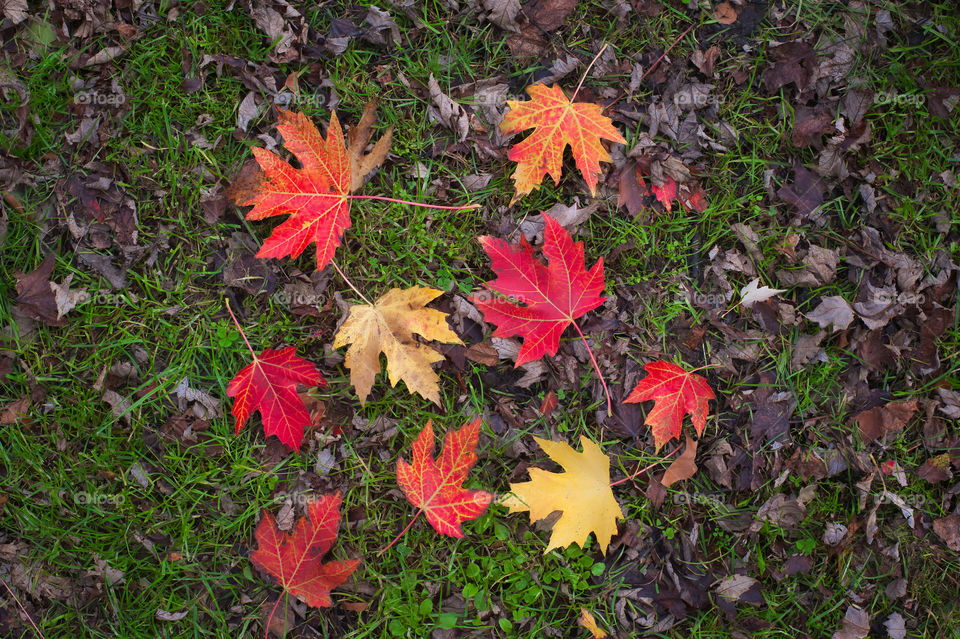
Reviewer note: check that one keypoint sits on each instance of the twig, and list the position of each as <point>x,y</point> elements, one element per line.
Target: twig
<point>25,613</point>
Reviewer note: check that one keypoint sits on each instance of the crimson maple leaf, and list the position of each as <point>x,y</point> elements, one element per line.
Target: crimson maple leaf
<point>667,193</point>
<point>269,384</point>
<point>541,301</point>
<point>315,196</point>
<point>436,485</point>
<point>675,393</point>
<point>295,559</point>
<point>557,122</point>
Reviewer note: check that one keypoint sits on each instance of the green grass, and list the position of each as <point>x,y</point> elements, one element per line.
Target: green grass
<point>183,540</point>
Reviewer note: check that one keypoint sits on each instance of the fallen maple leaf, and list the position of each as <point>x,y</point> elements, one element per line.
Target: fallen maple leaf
<point>587,621</point>
<point>540,301</point>
<point>436,485</point>
<point>387,327</point>
<point>557,122</point>
<point>582,493</point>
<point>294,559</point>
<point>675,392</point>
<point>316,196</point>
<point>269,384</point>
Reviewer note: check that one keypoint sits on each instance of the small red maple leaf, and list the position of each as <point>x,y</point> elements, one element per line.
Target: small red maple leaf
<point>436,485</point>
<point>314,196</point>
<point>541,301</point>
<point>295,559</point>
<point>269,384</point>
<point>675,393</point>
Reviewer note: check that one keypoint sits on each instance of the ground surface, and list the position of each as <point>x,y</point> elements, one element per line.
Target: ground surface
<point>825,145</point>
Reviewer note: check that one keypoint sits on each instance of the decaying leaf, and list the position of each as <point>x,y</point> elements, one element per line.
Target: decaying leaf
<point>295,559</point>
<point>387,327</point>
<point>684,467</point>
<point>587,621</point>
<point>582,493</point>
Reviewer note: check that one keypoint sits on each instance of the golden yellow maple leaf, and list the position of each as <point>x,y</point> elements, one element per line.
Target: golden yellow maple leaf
<point>387,327</point>
<point>582,493</point>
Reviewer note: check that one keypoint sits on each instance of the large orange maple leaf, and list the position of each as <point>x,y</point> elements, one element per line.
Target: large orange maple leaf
<point>675,393</point>
<point>557,122</point>
<point>436,485</point>
<point>295,559</point>
<point>314,196</point>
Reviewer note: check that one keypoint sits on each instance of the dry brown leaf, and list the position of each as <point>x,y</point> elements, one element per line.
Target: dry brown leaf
<point>725,13</point>
<point>684,467</point>
<point>357,139</point>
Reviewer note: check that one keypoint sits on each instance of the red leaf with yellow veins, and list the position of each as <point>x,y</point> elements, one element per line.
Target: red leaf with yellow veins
<point>675,393</point>
<point>269,384</point>
<point>295,559</point>
<point>436,485</point>
<point>557,122</point>
<point>540,301</point>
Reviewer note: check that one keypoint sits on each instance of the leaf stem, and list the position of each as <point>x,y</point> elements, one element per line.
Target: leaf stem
<point>402,533</point>
<point>350,284</point>
<point>242,334</point>
<point>643,470</point>
<point>420,204</point>
<point>266,631</point>
<point>584,76</point>
<point>596,367</point>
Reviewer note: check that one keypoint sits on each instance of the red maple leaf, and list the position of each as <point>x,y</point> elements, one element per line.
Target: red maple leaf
<point>689,199</point>
<point>557,122</point>
<point>269,384</point>
<point>675,392</point>
<point>541,301</point>
<point>294,559</point>
<point>314,196</point>
<point>435,485</point>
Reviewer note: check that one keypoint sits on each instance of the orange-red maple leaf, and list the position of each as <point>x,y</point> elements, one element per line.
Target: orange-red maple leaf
<point>314,196</point>
<point>269,384</point>
<point>675,393</point>
<point>557,122</point>
<point>436,485</point>
<point>540,301</point>
<point>295,559</point>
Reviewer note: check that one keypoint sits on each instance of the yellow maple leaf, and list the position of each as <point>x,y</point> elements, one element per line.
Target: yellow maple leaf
<point>387,327</point>
<point>557,122</point>
<point>582,493</point>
